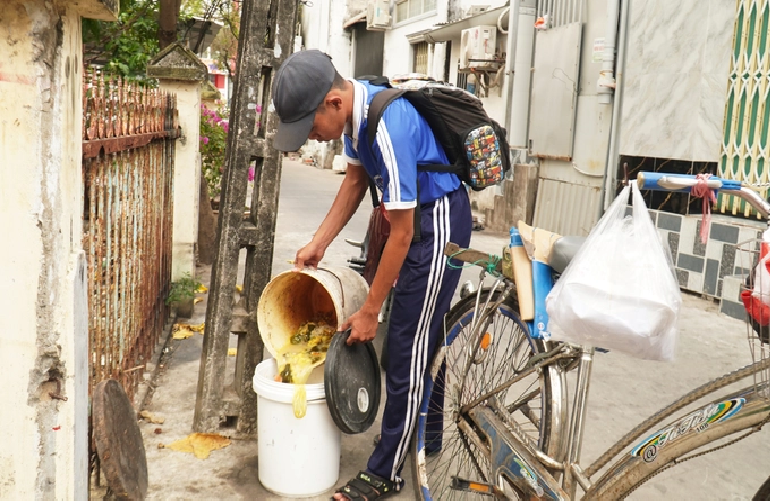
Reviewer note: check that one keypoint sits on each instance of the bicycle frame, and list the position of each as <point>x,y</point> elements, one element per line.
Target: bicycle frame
<point>535,474</point>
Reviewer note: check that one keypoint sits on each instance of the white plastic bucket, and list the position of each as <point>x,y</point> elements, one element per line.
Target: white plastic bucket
<point>296,297</point>
<point>297,457</point>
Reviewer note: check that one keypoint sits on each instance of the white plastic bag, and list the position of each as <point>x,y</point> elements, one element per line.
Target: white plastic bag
<point>619,291</point>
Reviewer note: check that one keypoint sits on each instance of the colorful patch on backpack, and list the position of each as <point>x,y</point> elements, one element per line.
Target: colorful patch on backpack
<point>484,157</point>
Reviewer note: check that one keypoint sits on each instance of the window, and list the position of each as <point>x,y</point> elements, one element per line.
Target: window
<point>407,9</point>
<point>420,61</point>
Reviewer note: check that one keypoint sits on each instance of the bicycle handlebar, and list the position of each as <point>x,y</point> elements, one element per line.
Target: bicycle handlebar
<point>684,183</point>
<point>681,182</point>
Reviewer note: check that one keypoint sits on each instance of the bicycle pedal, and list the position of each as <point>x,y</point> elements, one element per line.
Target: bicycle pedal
<point>460,484</point>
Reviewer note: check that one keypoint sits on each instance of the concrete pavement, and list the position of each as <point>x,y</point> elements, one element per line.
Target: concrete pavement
<point>623,390</point>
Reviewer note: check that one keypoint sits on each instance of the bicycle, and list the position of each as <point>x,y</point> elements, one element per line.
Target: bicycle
<point>495,420</point>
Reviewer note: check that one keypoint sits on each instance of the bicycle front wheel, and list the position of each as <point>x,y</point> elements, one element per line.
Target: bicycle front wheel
<point>464,369</point>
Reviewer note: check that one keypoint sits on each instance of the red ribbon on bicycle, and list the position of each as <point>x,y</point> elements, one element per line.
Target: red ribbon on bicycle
<point>702,190</point>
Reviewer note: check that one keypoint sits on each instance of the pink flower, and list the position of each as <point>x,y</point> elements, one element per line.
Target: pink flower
<point>251,173</point>
<point>217,119</point>
<point>205,140</point>
<point>226,127</point>
<point>259,108</point>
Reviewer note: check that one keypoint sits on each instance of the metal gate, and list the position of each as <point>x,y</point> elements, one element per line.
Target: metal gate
<point>128,162</point>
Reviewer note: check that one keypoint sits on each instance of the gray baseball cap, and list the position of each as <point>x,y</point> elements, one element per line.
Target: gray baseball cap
<point>299,88</point>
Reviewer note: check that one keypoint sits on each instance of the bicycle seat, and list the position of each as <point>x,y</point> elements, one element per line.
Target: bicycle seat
<point>562,252</point>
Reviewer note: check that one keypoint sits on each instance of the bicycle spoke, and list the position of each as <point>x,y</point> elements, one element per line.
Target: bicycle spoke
<point>523,401</point>
<point>500,351</point>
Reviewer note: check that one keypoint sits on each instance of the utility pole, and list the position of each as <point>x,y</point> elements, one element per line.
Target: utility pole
<point>265,40</point>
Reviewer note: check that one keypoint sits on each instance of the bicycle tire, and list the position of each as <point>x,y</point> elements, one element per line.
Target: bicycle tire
<point>550,381</point>
<point>644,462</point>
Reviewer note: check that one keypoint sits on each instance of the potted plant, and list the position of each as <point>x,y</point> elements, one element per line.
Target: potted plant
<point>182,295</point>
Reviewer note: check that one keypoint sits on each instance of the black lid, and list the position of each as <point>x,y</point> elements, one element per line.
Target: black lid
<point>352,383</point>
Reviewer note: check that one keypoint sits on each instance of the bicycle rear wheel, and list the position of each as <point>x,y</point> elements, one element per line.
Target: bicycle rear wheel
<point>441,449</point>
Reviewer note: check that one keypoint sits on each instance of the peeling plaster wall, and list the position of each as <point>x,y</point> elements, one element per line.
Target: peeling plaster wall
<point>44,453</point>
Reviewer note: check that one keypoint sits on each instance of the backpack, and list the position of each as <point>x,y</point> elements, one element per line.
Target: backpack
<point>474,143</point>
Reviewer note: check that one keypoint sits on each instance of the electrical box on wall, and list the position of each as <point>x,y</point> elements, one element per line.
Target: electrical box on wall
<point>477,47</point>
<point>377,14</point>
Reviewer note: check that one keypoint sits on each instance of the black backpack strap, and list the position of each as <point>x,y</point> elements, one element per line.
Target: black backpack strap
<point>452,169</point>
<point>377,107</point>
<point>373,193</point>
<point>417,232</point>
<point>375,80</point>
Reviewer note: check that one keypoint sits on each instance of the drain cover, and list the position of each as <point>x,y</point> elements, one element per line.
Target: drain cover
<point>352,384</point>
<point>119,442</point>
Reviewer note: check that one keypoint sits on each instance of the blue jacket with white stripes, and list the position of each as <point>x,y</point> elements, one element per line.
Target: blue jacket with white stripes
<point>403,141</point>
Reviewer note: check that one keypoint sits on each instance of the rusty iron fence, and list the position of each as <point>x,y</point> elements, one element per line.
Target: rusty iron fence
<point>129,133</point>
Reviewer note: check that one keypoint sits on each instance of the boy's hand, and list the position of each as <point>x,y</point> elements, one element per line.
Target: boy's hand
<point>309,256</point>
<point>363,326</point>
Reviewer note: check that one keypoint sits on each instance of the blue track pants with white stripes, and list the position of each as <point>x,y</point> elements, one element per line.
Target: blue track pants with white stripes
<point>422,297</point>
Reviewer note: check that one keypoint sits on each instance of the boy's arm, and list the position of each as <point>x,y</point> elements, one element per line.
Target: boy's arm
<point>364,322</point>
<point>396,151</point>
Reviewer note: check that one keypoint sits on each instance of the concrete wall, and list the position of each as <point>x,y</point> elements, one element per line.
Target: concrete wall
<point>187,172</point>
<point>42,283</point>
<point>322,30</point>
<point>398,50</point>
<point>573,188</point>
<point>677,75</point>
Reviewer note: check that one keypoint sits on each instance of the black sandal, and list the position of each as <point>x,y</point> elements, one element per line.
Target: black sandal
<point>369,487</point>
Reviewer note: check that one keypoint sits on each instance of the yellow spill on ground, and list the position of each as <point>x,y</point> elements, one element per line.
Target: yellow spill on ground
<point>197,300</point>
<point>201,289</point>
<point>151,418</point>
<point>200,444</point>
<point>305,351</point>
<point>183,331</point>
<point>231,352</point>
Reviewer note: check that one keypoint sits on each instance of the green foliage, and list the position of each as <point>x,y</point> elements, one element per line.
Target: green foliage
<point>212,144</point>
<point>193,8</point>
<point>127,45</point>
<point>183,289</point>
